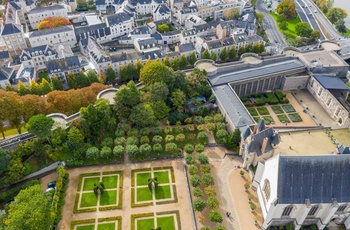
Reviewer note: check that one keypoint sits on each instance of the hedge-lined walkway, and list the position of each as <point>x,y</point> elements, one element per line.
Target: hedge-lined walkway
<point>183,204</point>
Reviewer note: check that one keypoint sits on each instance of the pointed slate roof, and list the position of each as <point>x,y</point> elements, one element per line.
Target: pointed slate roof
<point>344,150</point>
<point>317,178</point>
<point>257,141</point>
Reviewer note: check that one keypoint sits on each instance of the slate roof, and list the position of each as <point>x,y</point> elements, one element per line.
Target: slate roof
<point>162,9</point>
<point>228,41</point>
<point>188,47</point>
<point>254,38</point>
<point>61,29</point>
<point>160,22</point>
<point>255,72</point>
<point>344,150</point>
<point>214,44</point>
<point>257,141</point>
<point>26,74</point>
<point>188,10</point>
<point>115,19</point>
<point>4,54</point>
<point>141,2</point>
<point>157,36</point>
<point>154,54</point>
<point>140,30</point>
<point>171,33</point>
<point>14,5</point>
<point>119,57</point>
<point>187,33</point>
<point>43,9</point>
<point>100,2</point>
<point>9,29</point>
<point>318,178</point>
<point>146,41</point>
<point>6,73</point>
<point>331,82</point>
<point>36,51</point>
<point>233,106</point>
<point>98,30</point>
<point>64,64</point>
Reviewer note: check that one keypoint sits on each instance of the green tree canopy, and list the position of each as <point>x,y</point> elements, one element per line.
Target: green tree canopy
<point>157,72</point>
<point>175,63</point>
<point>206,54</point>
<point>72,81</point>
<point>215,216</point>
<point>193,58</point>
<point>126,98</point>
<point>40,125</point>
<point>183,61</point>
<point>111,75</point>
<point>22,88</point>
<point>142,115</point>
<point>163,28</point>
<point>214,56</point>
<point>232,53</point>
<point>223,54</point>
<point>287,7</point>
<point>92,76</point>
<point>234,14</point>
<point>335,14</point>
<point>158,91</point>
<point>303,29</point>
<point>56,83</point>
<point>166,61</point>
<point>30,211</point>
<point>199,205</point>
<point>5,160</point>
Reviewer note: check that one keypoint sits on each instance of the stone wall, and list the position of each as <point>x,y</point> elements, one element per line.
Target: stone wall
<point>295,82</point>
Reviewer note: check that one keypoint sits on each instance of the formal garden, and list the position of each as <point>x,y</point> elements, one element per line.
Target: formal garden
<point>169,220</point>
<point>258,104</point>
<point>99,191</point>
<point>109,223</point>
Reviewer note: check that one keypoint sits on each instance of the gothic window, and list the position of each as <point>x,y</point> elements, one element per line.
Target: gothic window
<point>313,210</point>
<point>342,208</point>
<point>287,210</point>
<point>267,189</point>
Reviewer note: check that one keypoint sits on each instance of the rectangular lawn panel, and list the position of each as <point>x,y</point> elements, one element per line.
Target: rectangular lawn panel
<point>88,199</point>
<point>143,194</point>
<point>252,111</point>
<point>295,117</point>
<point>86,227</point>
<point>89,183</point>
<point>145,224</point>
<point>257,119</point>
<point>288,108</point>
<point>110,181</point>
<point>277,109</point>
<point>106,226</point>
<point>268,120</point>
<point>263,110</point>
<point>166,222</point>
<point>162,177</point>
<point>142,178</point>
<point>108,197</point>
<point>283,118</point>
<point>163,192</point>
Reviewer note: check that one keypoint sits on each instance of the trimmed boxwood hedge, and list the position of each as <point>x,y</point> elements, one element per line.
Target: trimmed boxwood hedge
<point>133,205</point>
<point>80,183</point>
<point>177,214</point>
<point>137,170</point>
<point>171,170</point>
<point>76,222</point>
<point>135,216</point>
<point>175,200</point>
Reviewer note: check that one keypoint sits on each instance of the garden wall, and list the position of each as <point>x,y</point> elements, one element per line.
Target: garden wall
<point>295,82</point>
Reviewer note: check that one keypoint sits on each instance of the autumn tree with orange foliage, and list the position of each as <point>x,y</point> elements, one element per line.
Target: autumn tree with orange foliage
<point>52,22</point>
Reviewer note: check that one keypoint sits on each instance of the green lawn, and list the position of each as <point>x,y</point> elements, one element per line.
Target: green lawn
<point>167,222</point>
<point>89,183</point>
<point>110,181</point>
<point>290,32</point>
<point>142,178</point>
<point>13,131</point>
<point>263,110</point>
<point>86,227</point>
<point>143,194</point>
<point>106,226</point>
<point>108,197</point>
<point>252,111</point>
<point>145,224</point>
<point>88,200</point>
<point>163,192</point>
<point>162,177</point>
<point>257,119</point>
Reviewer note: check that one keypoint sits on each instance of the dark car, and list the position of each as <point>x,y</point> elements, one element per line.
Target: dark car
<point>10,201</point>
<point>52,184</point>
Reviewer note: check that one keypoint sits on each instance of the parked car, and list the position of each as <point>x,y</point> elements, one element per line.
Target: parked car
<point>52,184</point>
<point>49,189</point>
<point>9,201</point>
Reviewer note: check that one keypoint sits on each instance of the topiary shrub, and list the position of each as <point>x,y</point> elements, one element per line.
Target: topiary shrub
<point>190,160</point>
<point>132,141</point>
<point>169,138</point>
<point>156,131</point>
<point>133,132</point>
<point>203,159</point>
<point>144,132</point>
<point>189,148</point>
<point>144,140</point>
<point>157,139</point>
<point>193,170</point>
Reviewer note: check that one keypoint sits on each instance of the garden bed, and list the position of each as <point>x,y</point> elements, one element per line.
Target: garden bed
<point>253,112</point>
<point>263,110</point>
<point>283,118</point>
<point>288,108</point>
<point>268,120</point>
<point>295,117</point>
<point>277,109</point>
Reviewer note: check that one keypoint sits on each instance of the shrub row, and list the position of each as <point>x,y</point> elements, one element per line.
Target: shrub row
<point>118,218</point>
<point>133,205</point>
<point>59,198</point>
<point>108,208</point>
<point>177,214</point>
<point>112,172</point>
<point>135,216</point>
<point>76,222</point>
<point>86,175</point>
<point>171,170</point>
<point>133,174</point>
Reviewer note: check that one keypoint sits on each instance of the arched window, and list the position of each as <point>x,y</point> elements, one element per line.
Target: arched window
<point>267,189</point>
<point>287,210</point>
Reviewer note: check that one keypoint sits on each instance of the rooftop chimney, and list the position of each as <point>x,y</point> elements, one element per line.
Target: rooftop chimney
<point>264,144</point>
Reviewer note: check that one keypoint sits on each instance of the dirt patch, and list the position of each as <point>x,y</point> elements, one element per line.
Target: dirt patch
<point>47,179</point>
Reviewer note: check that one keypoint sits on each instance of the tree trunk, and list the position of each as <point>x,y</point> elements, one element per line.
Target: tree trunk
<point>3,135</point>
<point>19,129</point>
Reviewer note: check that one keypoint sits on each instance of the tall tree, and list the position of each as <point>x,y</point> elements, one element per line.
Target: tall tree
<point>250,47</point>
<point>232,53</point>
<point>175,63</point>
<point>30,200</point>
<point>92,76</point>
<point>223,54</point>
<point>303,29</point>
<point>33,105</point>
<point>286,7</point>
<point>214,56</point>
<point>5,160</point>
<point>123,72</point>
<point>35,88</point>
<point>56,83</point>
<point>234,14</point>
<point>83,80</point>
<point>335,14</point>
<point>193,58</point>
<point>158,91</point>
<point>178,97</point>
<point>142,115</point>
<point>102,78</point>
<point>132,71</point>
<point>206,54</point>
<point>126,98</point>
<point>72,81</point>
<point>22,88</point>
<point>138,66</point>
<point>111,75</point>
<point>40,125</point>
<point>12,109</point>
<point>157,72</point>
<point>183,61</point>
<point>241,50</point>
<point>340,25</point>
<point>166,61</point>
<point>45,86</point>
<point>9,88</point>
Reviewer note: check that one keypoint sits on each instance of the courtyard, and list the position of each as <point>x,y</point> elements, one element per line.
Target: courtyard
<point>128,202</point>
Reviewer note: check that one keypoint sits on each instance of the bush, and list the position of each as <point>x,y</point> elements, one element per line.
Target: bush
<point>178,130</point>
<point>210,191</point>
<point>197,192</point>
<point>190,160</point>
<point>202,158</point>
<point>220,125</point>
<point>220,227</point>
<point>144,132</point>
<point>157,148</point>
<point>145,149</point>
<point>195,180</point>
<point>199,205</point>
<point>190,128</point>
<point>133,132</point>
<point>132,150</point>
<point>218,118</point>
<point>119,141</point>
<point>92,153</point>
<point>169,138</point>
<point>107,142</point>
<point>180,137</point>
<point>211,127</point>
<point>205,168</point>
<point>215,216</point>
<point>157,139</point>
<point>193,170</point>
<point>200,128</point>
<point>221,134</point>
<point>171,148</point>
<point>213,202</point>
<point>208,119</point>
<point>106,152</point>
<point>144,140</point>
<point>199,148</point>
<point>118,150</point>
<point>132,141</point>
<point>156,131</point>
<point>203,137</point>
<point>198,120</point>
<point>177,116</point>
<point>168,130</point>
<point>207,179</point>
<point>189,148</point>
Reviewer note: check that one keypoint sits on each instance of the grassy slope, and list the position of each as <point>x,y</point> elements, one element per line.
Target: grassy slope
<point>290,32</point>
